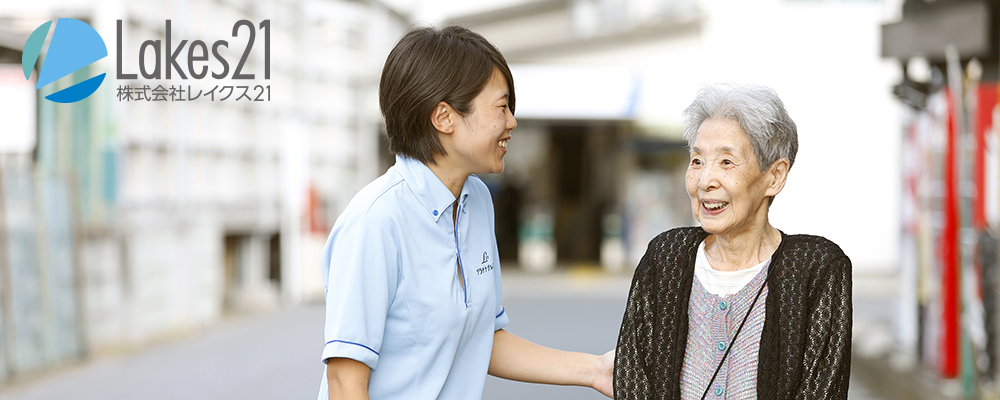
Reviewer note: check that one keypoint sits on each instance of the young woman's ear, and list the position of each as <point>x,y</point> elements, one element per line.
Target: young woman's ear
<point>444,118</point>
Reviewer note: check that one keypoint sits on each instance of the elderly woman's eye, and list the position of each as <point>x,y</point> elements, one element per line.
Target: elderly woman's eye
<point>695,161</point>
<point>727,162</point>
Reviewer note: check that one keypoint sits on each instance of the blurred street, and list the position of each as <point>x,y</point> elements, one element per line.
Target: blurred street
<point>156,243</point>
<point>274,355</point>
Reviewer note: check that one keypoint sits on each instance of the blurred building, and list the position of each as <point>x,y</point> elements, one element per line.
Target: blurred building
<point>602,84</point>
<point>130,221</point>
<point>949,321</point>
<point>127,221</point>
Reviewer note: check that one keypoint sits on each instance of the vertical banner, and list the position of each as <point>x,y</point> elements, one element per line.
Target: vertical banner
<point>948,250</point>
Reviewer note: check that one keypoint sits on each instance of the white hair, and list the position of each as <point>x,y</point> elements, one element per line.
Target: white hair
<point>759,112</point>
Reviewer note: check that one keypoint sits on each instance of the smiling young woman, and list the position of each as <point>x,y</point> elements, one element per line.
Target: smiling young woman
<point>405,317</point>
<point>474,143</point>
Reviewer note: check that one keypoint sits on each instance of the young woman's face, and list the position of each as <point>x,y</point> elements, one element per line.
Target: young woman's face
<point>728,190</point>
<point>480,141</point>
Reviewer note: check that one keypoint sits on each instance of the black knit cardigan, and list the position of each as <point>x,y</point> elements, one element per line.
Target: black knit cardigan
<point>805,349</point>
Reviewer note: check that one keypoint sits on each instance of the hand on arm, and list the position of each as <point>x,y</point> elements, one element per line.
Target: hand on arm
<point>348,379</point>
<point>520,360</point>
<point>605,374</point>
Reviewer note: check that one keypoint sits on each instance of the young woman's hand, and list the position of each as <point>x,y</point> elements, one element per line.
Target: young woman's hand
<point>603,373</point>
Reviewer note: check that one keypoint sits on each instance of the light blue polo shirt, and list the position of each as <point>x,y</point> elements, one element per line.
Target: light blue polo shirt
<point>395,299</point>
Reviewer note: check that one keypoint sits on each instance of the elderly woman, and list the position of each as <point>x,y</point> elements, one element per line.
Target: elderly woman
<point>735,308</point>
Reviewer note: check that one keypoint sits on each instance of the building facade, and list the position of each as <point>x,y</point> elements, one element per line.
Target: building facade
<point>173,214</point>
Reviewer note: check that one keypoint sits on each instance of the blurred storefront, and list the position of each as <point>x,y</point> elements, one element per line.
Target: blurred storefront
<point>948,53</point>
<point>126,221</point>
<point>586,174</point>
<point>598,159</point>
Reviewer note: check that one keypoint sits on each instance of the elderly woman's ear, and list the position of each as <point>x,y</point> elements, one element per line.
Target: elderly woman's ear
<point>777,174</point>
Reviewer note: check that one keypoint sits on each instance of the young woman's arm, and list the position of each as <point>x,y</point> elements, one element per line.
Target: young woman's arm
<point>520,360</point>
<point>348,379</point>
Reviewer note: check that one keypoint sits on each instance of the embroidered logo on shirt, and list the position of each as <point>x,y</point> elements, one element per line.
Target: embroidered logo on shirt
<point>485,268</point>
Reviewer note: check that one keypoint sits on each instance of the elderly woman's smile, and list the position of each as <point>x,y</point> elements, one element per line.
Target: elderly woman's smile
<point>712,207</point>
<point>727,187</point>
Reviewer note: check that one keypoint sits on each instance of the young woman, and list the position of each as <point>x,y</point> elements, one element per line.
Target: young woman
<point>412,275</point>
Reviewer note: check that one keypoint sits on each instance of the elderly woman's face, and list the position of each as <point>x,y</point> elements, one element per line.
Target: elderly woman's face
<point>728,190</point>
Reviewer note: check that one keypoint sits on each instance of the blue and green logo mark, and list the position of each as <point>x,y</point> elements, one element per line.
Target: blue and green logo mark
<point>74,45</point>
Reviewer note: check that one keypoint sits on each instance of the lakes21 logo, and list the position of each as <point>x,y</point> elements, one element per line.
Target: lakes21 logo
<point>74,45</point>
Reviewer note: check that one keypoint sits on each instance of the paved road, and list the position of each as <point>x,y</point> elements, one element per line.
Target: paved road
<point>275,355</point>
<point>267,356</point>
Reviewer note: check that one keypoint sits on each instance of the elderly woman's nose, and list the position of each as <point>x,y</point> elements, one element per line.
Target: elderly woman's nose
<point>707,177</point>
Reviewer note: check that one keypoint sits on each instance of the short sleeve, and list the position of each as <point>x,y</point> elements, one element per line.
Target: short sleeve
<point>501,312</point>
<point>360,271</point>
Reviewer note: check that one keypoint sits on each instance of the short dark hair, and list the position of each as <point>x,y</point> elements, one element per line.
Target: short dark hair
<point>428,66</point>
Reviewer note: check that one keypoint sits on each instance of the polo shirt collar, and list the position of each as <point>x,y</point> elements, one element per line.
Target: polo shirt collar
<point>427,187</point>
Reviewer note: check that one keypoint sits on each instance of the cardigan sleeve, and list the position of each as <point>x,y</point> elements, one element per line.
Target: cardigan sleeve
<point>827,354</point>
<point>631,375</point>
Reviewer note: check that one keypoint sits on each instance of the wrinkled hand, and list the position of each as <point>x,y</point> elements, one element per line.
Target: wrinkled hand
<point>602,380</point>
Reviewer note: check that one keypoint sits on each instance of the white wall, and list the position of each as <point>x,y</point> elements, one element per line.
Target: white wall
<point>823,60</point>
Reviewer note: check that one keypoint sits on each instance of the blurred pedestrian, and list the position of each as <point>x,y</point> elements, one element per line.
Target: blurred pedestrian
<point>411,270</point>
<point>735,308</point>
